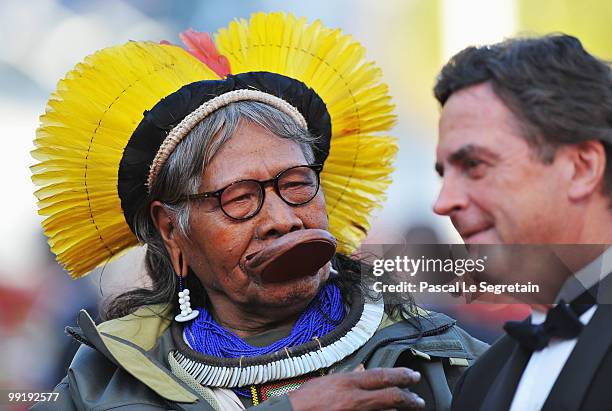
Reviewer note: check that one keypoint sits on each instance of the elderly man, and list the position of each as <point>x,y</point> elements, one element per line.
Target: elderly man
<point>250,190</point>
<point>525,153</point>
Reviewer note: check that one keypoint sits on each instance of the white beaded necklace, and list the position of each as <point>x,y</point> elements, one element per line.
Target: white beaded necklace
<point>289,367</point>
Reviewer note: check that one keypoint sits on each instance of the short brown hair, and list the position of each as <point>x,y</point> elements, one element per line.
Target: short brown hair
<point>559,92</point>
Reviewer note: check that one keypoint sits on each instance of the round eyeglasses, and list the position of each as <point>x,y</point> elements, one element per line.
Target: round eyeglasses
<point>243,199</point>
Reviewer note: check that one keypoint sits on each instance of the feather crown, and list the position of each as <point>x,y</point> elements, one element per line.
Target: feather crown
<point>93,158</point>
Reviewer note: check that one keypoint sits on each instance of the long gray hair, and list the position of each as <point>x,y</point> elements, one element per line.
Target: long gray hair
<point>181,175</point>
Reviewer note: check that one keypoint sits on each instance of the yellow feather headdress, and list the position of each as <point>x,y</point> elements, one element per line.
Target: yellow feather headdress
<point>96,108</point>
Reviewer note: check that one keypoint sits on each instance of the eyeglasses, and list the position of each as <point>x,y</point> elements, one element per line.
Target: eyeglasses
<point>243,199</point>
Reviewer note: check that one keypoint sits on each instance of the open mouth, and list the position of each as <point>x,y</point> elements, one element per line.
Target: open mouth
<point>292,256</point>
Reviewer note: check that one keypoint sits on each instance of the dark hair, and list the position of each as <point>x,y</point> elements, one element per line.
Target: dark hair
<point>559,92</point>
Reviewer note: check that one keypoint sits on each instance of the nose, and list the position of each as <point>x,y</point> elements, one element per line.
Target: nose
<point>276,218</point>
<point>451,198</point>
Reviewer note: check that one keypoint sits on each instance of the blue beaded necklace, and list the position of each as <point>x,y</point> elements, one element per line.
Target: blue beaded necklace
<point>321,316</point>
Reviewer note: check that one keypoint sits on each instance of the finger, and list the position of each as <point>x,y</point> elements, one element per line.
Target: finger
<point>416,403</point>
<point>379,378</point>
<point>392,398</point>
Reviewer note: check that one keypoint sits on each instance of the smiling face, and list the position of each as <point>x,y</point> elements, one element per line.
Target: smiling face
<point>217,245</point>
<point>495,189</point>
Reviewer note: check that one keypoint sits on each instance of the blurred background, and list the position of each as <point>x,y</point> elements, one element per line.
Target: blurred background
<point>409,39</point>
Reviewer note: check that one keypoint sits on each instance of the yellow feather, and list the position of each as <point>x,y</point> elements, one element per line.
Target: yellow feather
<point>96,107</point>
<point>357,170</point>
<point>87,124</point>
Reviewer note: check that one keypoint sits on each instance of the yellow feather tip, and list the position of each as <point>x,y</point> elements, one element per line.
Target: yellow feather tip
<point>87,124</point>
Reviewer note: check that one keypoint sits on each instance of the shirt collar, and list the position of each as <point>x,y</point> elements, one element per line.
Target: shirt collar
<point>587,277</point>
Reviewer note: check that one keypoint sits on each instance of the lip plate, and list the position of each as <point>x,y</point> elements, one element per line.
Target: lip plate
<point>304,259</point>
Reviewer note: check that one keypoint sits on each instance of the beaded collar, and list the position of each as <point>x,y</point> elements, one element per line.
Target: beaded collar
<point>321,316</point>
<point>356,329</point>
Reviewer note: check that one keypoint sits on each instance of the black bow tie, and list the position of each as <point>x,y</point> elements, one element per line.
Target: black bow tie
<point>562,321</point>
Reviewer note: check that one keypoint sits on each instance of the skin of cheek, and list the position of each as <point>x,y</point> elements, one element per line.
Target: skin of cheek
<point>210,263</point>
<point>218,267</point>
<point>530,213</point>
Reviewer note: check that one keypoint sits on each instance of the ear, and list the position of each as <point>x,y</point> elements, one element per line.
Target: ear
<point>167,229</point>
<point>589,161</point>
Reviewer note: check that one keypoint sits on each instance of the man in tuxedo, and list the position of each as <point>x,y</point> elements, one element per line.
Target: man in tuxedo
<point>525,155</point>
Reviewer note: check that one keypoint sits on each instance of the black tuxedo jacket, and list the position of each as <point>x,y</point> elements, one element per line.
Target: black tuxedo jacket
<point>584,384</point>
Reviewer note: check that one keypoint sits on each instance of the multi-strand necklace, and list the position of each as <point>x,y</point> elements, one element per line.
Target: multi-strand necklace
<point>321,316</point>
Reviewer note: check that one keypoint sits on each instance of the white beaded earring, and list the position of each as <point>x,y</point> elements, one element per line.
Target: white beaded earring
<point>187,313</point>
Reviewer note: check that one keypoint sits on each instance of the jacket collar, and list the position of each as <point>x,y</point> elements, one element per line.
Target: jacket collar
<point>129,343</point>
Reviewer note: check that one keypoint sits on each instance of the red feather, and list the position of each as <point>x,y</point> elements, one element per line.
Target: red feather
<point>201,45</point>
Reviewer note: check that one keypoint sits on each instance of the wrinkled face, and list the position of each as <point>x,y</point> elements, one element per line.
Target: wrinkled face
<point>495,189</point>
<point>217,244</point>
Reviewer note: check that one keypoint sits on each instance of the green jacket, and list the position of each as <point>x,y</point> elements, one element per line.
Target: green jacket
<point>122,364</point>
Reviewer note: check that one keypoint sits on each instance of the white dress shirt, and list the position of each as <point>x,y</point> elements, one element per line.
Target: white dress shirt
<point>544,366</point>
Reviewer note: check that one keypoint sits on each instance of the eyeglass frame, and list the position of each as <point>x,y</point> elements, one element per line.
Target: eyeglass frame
<point>317,168</point>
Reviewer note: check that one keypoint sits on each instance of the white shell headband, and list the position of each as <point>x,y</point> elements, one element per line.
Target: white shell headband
<point>179,132</point>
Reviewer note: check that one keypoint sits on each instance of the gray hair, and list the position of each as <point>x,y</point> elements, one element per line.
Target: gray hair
<point>180,176</point>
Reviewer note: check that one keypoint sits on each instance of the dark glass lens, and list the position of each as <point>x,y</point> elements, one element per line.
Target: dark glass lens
<point>298,185</point>
<point>242,199</point>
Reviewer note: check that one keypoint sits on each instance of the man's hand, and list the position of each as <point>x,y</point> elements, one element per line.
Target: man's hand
<point>369,390</point>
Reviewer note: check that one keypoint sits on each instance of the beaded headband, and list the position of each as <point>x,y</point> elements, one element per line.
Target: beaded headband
<point>179,132</point>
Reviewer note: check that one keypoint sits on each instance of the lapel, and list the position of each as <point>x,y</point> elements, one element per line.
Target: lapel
<point>501,391</point>
<point>577,375</point>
